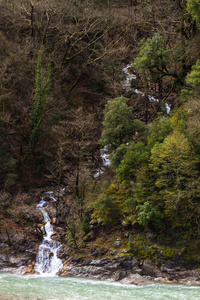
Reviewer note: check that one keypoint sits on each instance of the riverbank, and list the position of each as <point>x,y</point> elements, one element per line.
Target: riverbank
<point>125,270</point>
<point>128,270</point>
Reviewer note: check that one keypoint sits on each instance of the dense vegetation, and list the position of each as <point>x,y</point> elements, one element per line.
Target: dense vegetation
<point>62,99</point>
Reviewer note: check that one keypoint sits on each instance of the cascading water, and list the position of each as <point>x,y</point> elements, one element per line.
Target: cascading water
<point>127,84</point>
<point>47,261</point>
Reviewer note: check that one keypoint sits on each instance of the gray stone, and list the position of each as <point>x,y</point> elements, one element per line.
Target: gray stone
<point>119,275</point>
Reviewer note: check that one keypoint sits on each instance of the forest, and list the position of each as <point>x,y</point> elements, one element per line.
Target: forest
<point>64,104</point>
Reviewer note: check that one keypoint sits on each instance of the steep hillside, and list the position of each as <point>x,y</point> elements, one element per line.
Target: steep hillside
<point>64,98</point>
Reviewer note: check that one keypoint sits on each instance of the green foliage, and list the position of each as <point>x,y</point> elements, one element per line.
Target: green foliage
<point>131,242</point>
<point>140,129</point>
<point>193,78</point>
<point>175,165</point>
<point>131,203</point>
<point>110,204</point>
<point>153,59</point>
<point>40,98</point>
<point>118,155</point>
<point>184,96</point>
<point>85,225</point>
<point>144,186</point>
<point>179,119</point>
<point>149,215</point>
<point>118,125</point>
<point>192,108</point>
<point>193,7</point>
<point>159,131</point>
<point>174,160</point>
<point>136,155</point>
<point>108,209</point>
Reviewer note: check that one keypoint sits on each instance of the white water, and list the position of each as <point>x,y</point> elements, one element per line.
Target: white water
<point>34,287</point>
<point>47,261</point>
<point>127,84</point>
<point>105,162</point>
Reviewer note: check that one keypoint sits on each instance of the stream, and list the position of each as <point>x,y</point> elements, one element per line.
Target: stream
<point>127,84</point>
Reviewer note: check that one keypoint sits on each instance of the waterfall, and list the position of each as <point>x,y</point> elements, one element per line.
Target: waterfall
<point>47,261</point>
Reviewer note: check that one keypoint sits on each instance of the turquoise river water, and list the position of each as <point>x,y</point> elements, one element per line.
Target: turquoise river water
<point>38,287</point>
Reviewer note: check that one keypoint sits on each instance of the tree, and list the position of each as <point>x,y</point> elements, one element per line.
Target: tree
<point>136,155</point>
<point>149,216</point>
<point>108,209</point>
<point>193,78</point>
<point>174,160</point>
<point>153,60</point>
<point>119,126</point>
<point>118,156</point>
<point>159,130</point>
<point>175,166</point>
<point>40,98</point>
<point>144,188</point>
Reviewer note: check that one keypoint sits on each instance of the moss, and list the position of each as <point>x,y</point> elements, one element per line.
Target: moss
<point>169,252</point>
<point>123,254</point>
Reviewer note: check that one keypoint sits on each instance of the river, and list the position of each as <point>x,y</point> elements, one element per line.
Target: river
<point>37,287</point>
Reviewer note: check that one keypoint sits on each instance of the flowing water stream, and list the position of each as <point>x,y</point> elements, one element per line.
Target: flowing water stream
<point>47,261</point>
<point>127,84</point>
<point>34,287</point>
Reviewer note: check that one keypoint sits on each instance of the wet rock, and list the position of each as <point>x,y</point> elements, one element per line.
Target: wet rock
<point>127,270</point>
<point>119,275</point>
<point>127,263</point>
<point>100,262</point>
<point>54,220</point>
<point>76,259</point>
<point>149,269</point>
<point>71,272</point>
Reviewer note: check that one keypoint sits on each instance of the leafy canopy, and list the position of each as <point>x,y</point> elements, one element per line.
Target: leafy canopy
<point>172,160</point>
<point>147,214</point>
<point>193,78</point>
<point>119,126</point>
<point>153,58</point>
<point>136,155</point>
